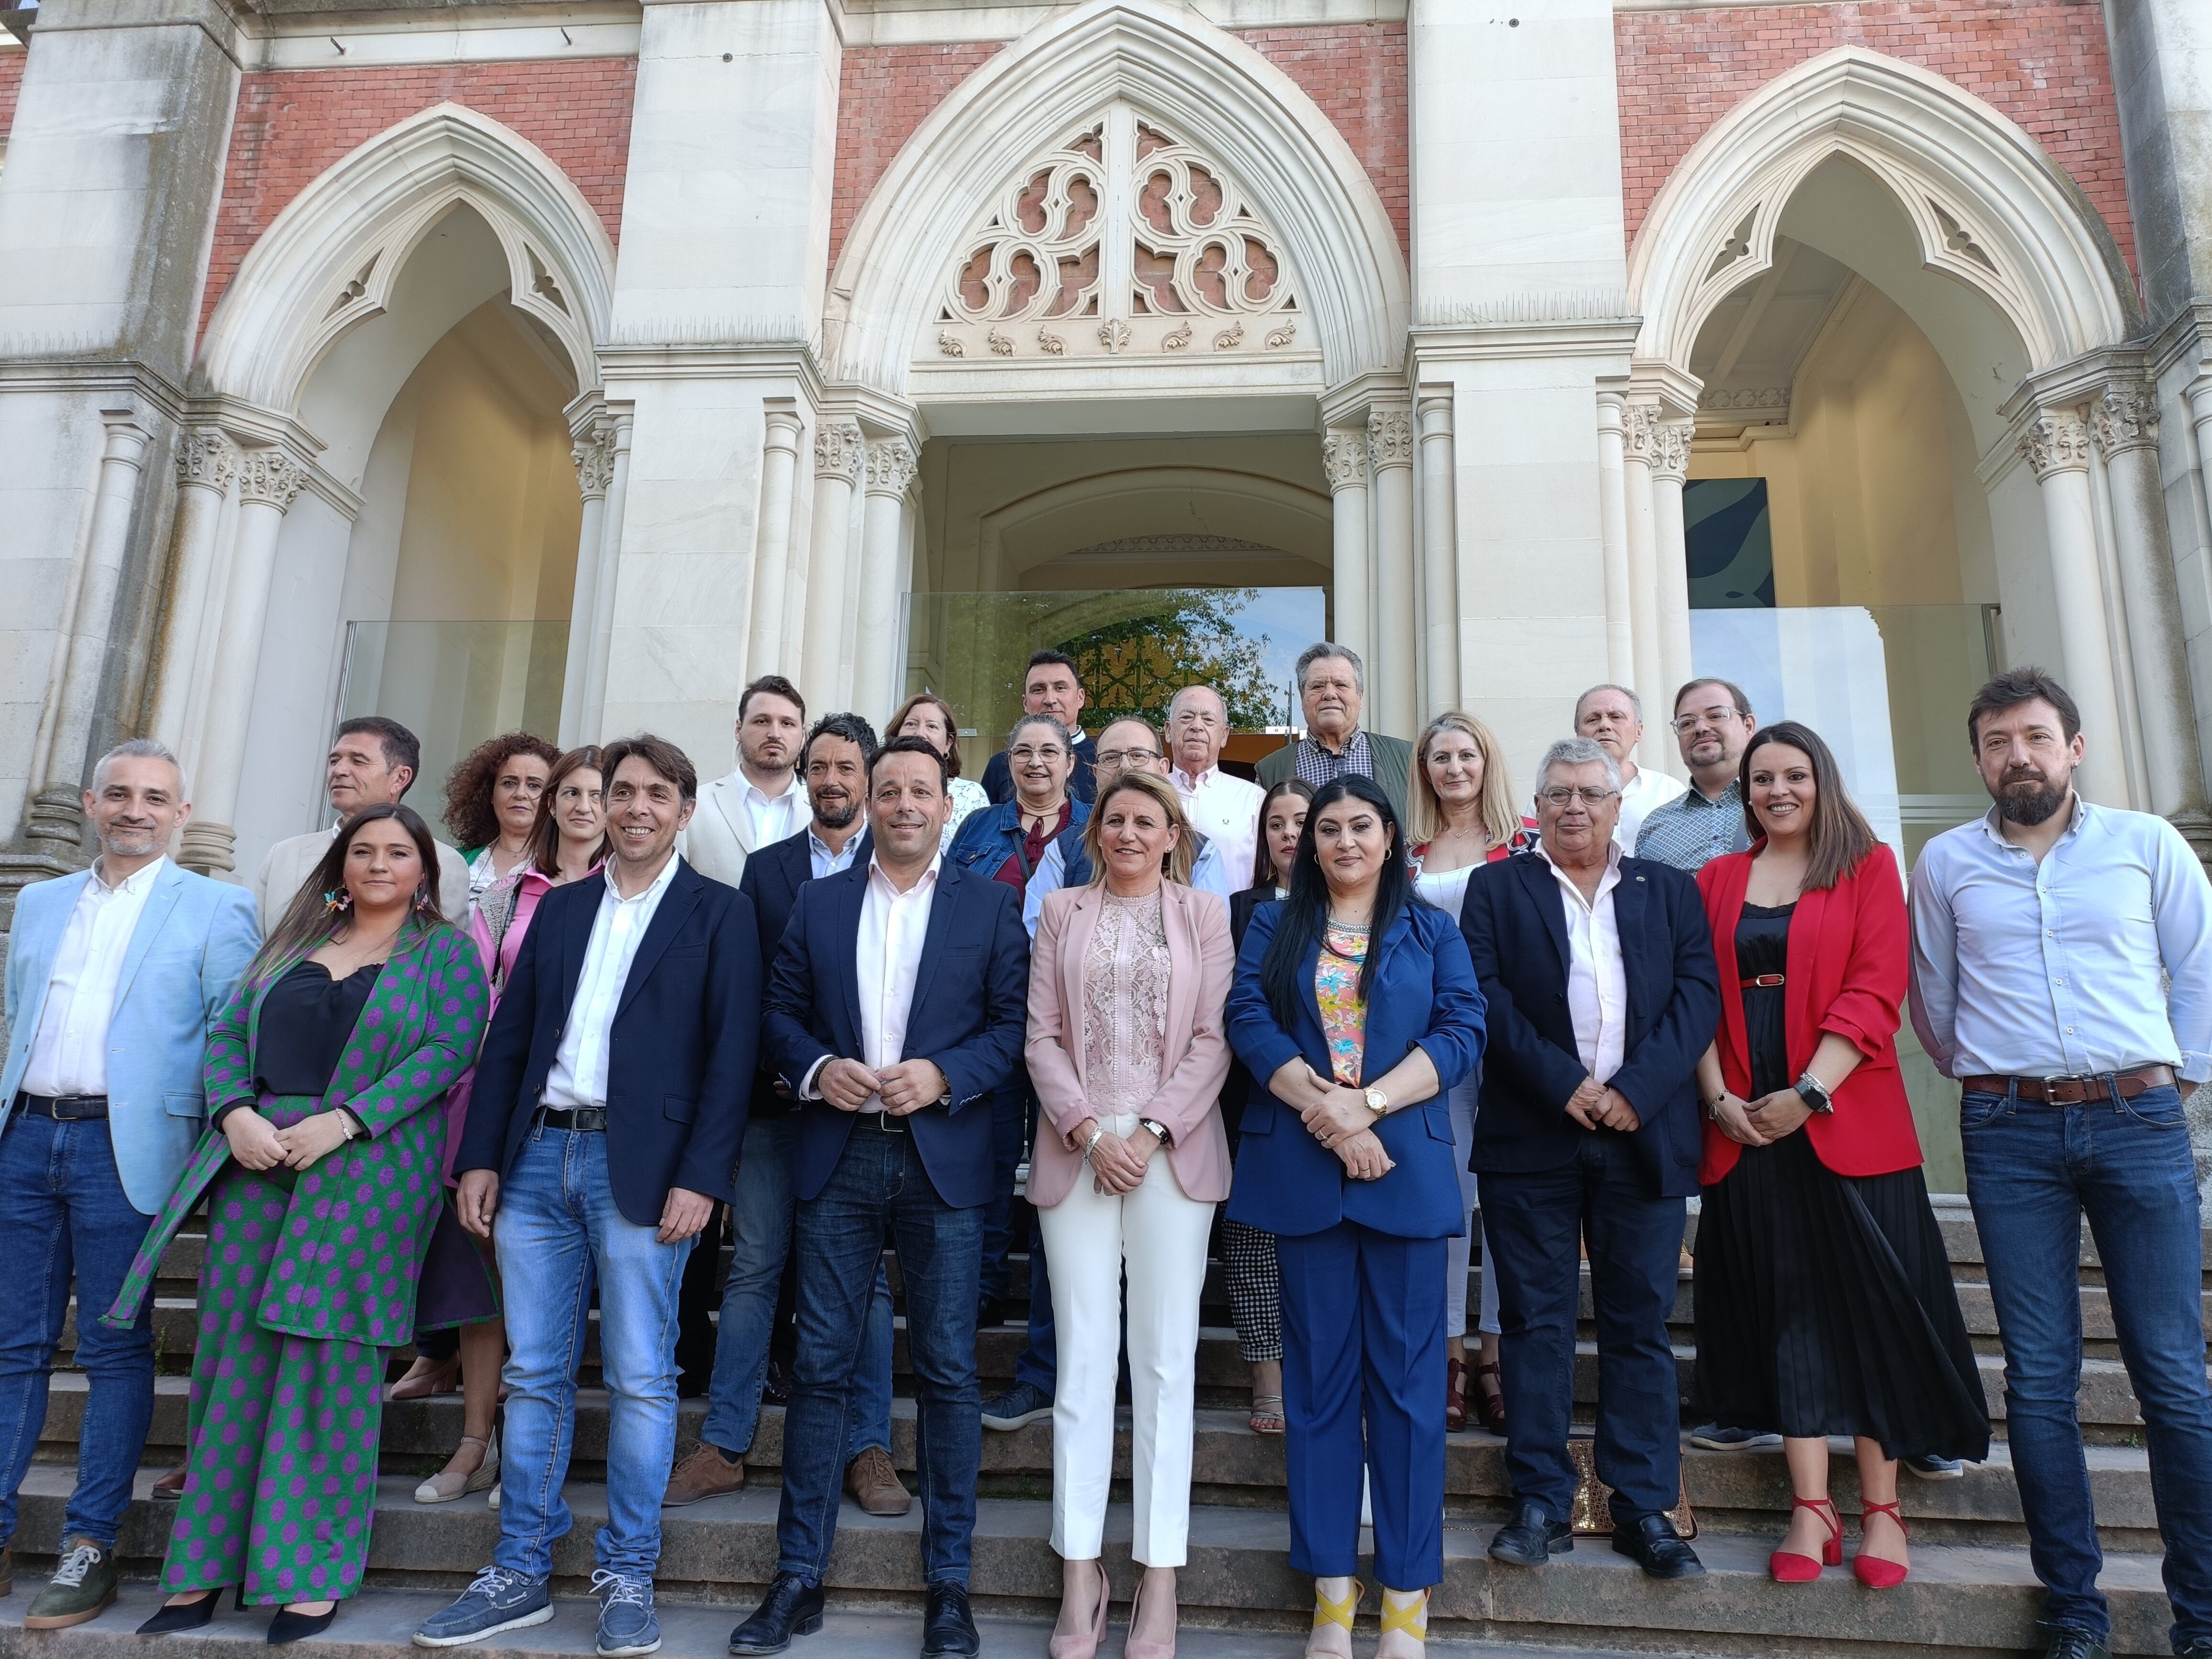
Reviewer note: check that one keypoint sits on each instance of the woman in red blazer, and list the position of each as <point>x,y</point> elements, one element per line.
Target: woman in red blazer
<point>1823,1297</point>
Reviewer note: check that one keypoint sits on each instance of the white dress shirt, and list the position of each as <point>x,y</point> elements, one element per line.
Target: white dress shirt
<point>1227,808</point>
<point>68,1056</point>
<point>578,1077</point>
<point>2098,959</point>
<point>887,963</point>
<point>1647,790</point>
<point>771,819</point>
<point>1597,981</point>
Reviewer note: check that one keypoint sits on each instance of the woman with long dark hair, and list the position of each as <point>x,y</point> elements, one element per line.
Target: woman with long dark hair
<point>1355,1008</point>
<point>320,1168</point>
<point>1824,1303</point>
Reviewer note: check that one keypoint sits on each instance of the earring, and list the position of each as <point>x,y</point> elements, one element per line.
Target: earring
<point>336,900</point>
<point>423,897</point>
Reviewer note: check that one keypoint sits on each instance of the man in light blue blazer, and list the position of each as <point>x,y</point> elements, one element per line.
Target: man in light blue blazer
<point>112,976</point>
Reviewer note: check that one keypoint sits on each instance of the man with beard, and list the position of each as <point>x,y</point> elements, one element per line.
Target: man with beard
<point>1712,723</point>
<point>836,769</point>
<point>2061,957</point>
<point>764,800</point>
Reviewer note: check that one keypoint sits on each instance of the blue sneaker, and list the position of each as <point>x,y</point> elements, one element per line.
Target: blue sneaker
<point>496,1600</point>
<point>1930,1467</point>
<point>627,1624</point>
<point>1713,1437</point>
<point>1017,1409</point>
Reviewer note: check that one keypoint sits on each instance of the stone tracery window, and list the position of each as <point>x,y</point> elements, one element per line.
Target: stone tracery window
<point>1121,240</point>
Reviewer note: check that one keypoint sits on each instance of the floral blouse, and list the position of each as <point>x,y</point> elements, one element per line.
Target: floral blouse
<point>1336,991</point>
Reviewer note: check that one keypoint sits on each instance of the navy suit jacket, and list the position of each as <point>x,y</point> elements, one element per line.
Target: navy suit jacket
<point>681,1054</point>
<point>1425,995</point>
<point>772,880</point>
<point>1517,933</point>
<point>969,1015</point>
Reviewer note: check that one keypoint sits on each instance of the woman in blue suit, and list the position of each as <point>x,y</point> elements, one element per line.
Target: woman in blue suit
<point>1356,1007</point>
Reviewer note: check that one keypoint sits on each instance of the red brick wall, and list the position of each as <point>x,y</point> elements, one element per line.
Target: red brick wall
<point>2040,62</point>
<point>293,123</point>
<point>884,92</point>
<point>11,79</point>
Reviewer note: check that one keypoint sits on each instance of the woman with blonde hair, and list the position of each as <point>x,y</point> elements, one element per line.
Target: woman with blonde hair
<point>1463,816</point>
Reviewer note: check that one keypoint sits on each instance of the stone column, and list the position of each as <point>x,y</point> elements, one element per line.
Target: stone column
<point>207,462</point>
<point>839,454</point>
<point>593,457</point>
<point>1670,466</point>
<point>602,599</point>
<point>1640,446</point>
<point>891,463</point>
<point>2125,424</point>
<point>1393,685</point>
<point>2056,445</point>
<point>1344,457</point>
<point>269,481</point>
<point>1612,533</point>
<point>1439,556</point>
<point>772,650</point>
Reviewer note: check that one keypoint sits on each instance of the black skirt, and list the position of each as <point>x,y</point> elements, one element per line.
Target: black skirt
<point>1825,1306</point>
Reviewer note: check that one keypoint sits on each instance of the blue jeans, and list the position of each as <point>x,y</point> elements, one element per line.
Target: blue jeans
<point>761,1222</point>
<point>2033,1172</point>
<point>557,1231</point>
<point>1038,1363</point>
<point>62,1206</point>
<point>879,1182</point>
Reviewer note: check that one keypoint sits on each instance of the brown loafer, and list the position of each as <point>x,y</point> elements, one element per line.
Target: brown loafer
<point>706,1473</point>
<point>875,1486</point>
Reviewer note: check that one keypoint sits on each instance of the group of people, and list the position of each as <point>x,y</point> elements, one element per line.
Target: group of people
<point>1352,1015</point>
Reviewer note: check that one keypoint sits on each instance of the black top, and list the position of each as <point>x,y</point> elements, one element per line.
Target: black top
<point>1762,947</point>
<point>307,1020</point>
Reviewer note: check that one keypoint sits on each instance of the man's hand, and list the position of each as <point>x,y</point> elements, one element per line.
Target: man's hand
<point>478,1201</point>
<point>253,1143</point>
<point>1363,1157</point>
<point>910,1085</point>
<point>1582,1105</point>
<point>1615,1112</point>
<point>682,1215</point>
<point>847,1084</point>
<point>1782,1113</point>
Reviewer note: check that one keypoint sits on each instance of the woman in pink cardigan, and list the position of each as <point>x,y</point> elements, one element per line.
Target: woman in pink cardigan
<point>1128,977</point>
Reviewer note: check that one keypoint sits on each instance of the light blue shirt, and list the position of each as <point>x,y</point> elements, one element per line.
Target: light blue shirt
<point>2099,959</point>
<point>1208,874</point>
<point>825,862</point>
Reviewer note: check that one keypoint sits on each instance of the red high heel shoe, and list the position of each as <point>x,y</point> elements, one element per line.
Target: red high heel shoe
<point>1788,1568</point>
<point>1871,1571</point>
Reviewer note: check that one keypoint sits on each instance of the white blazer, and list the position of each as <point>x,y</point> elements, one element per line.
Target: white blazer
<point>719,839</point>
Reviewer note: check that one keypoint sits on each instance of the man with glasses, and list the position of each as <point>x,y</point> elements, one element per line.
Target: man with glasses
<point>1713,721</point>
<point>1611,717</point>
<point>1598,972</point>
<point>1332,690</point>
<point>1049,687</point>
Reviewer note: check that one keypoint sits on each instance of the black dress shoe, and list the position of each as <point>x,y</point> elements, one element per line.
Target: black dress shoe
<point>290,1626</point>
<point>2080,1645</point>
<point>791,1608</point>
<point>1531,1537</point>
<point>948,1632</point>
<point>1653,1544</point>
<point>188,1615</point>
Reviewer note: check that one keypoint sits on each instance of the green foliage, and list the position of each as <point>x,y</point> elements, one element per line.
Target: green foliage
<point>1134,665</point>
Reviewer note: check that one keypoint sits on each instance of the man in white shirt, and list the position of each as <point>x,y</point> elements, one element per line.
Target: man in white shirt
<point>113,976</point>
<point>1225,808</point>
<point>372,762</point>
<point>764,800</point>
<point>2062,972</point>
<point>1611,717</point>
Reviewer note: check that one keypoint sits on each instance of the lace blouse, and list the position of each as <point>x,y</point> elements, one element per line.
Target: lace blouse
<point>1125,1005</point>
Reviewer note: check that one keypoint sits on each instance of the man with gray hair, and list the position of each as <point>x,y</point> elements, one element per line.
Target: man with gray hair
<point>1612,716</point>
<point>1221,805</point>
<point>1598,972</point>
<point>113,975</point>
<point>1332,686</point>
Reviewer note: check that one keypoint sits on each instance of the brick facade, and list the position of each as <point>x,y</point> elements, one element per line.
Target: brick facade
<point>294,124</point>
<point>11,81</point>
<point>884,92</point>
<point>2042,62</point>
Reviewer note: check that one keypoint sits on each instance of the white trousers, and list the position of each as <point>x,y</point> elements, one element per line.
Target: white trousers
<point>1456,1250</point>
<point>1089,1236</point>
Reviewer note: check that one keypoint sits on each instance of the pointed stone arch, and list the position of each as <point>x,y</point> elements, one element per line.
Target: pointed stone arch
<point>1203,84</point>
<point>328,262</point>
<point>1987,204</point>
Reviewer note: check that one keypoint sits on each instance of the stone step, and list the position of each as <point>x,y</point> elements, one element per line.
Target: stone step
<point>1963,1600</point>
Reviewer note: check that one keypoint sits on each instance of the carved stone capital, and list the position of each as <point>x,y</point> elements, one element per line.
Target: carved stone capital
<point>593,457</point>
<point>838,450</point>
<point>206,458</point>
<point>2125,417</point>
<point>1390,438</point>
<point>1639,432</point>
<point>269,477</point>
<point>1670,451</point>
<point>2056,440</point>
<point>1344,457</point>
<point>891,463</point>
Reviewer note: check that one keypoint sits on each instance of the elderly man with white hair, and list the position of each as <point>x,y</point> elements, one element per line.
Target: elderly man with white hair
<point>1224,807</point>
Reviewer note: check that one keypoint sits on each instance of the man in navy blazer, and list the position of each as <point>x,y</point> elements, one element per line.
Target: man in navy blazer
<point>1598,971</point>
<point>896,1003</point>
<point>609,1105</point>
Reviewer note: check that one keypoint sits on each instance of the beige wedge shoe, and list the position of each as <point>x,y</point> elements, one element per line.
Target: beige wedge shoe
<point>449,1483</point>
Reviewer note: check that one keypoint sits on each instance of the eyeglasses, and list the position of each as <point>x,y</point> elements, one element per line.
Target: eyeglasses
<point>1563,798</point>
<point>1023,756</point>
<point>1687,724</point>
<point>1111,758</point>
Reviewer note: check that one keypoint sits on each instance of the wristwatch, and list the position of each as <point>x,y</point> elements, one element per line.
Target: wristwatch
<point>1159,1128</point>
<point>1377,1102</point>
<point>1814,1093</point>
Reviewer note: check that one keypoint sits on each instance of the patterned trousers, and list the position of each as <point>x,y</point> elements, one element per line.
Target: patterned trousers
<point>1255,1292</point>
<point>280,1482</point>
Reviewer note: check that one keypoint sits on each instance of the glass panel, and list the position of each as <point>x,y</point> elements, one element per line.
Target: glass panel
<point>453,684</point>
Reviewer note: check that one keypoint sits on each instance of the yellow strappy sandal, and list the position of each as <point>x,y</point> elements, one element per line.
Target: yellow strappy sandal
<point>1337,1613</point>
<point>1411,1616</point>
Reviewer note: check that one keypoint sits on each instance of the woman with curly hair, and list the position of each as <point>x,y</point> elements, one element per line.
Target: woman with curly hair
<point>491,805</point>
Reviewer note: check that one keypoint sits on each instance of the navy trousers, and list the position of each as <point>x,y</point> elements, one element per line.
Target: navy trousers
<point>1363,1338</point>
<point>1536,1224</point>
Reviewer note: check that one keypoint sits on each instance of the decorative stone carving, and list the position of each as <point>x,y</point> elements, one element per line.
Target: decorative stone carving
<point>1670,456</point>
<point>1280,337</point>
<point>891,463</point>
<point>1177,338</point>
<point>838,450</point>
<point>1344,458</point>
<point>1000,345</point>
<point>2056,440</point>
<point>1052,344</point>
<point>1958,238</point>
<point>1114,334</point>
<point>2125,417</point>
<point>206,457</point>
<point>1390,438</point>
<point>1773,401</point>
<point>269,477</point>
<point>1737,246</point>
<point>351,292</point>
<point>593,457</point>
<point>1230,338</point>
<point>1639,432</point>
<point>950,346</point>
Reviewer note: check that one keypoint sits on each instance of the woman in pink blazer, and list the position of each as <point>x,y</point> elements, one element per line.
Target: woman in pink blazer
<point>1128,977</point>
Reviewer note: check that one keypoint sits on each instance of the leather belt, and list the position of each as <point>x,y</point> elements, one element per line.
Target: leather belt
<point>584,1120</point>
<point>64,1108</point>
<point>2074,1090</point>
<point>1759,982</point>
<point>884,1122</point>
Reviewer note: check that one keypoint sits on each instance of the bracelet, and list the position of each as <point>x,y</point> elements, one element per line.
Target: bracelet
<point>1159,1128</point>
<point>1814,1093</point>
<point>1096,1135</point>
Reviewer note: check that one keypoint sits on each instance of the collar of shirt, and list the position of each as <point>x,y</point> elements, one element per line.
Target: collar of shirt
<point>1606,883</point>
<point>1731,794</point>
<point>1190,783</point>
<point>878,878</point>
<point>827,861</point>
<point>138,881</point>
<point>756,796</point>
<point>654,890</point>
<point>1993,827</point>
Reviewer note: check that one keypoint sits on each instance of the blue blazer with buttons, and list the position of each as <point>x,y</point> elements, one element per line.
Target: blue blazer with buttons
<point>1424,995</point>
<point>1517,933</point>
<point>969,1012</point>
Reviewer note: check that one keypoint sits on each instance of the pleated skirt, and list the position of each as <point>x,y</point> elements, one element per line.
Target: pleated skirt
<point>1825,1306</point>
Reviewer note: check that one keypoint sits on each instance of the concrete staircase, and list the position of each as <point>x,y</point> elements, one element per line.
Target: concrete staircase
<point>1971,1592</point>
